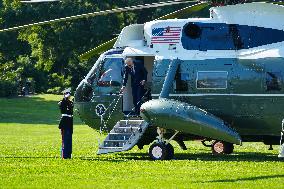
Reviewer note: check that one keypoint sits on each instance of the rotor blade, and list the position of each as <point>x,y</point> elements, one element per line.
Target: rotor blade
<point>39,1</point>
<point>93,14</point>
<point>188,11</point>
<point>98,50</point>
<point>108,45</point>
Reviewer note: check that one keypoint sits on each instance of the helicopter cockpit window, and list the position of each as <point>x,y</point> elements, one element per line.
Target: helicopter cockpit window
<point>211,80</point>
<point>273,81</point>
<point>111,72</point>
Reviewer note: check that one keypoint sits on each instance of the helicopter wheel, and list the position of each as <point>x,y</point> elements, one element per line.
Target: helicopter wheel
<point>161,151</point>
<point>221,147</point>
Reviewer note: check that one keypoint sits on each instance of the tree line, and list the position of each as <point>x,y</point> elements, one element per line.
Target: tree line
<point>46,57</point>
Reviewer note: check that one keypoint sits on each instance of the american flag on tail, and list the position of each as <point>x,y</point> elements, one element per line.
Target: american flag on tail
<point>168,35</point>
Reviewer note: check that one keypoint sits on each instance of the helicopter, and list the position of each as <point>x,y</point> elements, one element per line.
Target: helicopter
<point>214,79</point>
<point>217,79</point>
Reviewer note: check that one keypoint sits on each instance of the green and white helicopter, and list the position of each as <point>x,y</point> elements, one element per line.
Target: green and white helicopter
<point>218,79</point>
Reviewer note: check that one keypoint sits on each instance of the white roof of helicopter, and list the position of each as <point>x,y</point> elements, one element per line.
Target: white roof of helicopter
<point>132,51</point>
<point>253,14</point>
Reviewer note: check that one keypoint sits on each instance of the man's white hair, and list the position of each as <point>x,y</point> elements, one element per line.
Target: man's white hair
<point>128,60</point>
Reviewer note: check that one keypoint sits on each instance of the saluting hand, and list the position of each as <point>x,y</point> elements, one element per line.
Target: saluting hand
<point>142,82</point>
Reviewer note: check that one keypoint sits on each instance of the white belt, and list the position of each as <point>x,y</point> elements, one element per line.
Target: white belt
<point>66,115</point>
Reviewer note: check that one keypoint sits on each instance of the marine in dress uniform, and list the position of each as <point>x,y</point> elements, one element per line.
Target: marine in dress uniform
<point>66,125</point>
<point>138,75</point>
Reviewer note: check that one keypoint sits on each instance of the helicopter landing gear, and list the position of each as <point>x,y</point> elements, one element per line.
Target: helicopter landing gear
<point>221,147</point>
<point>161,149</point>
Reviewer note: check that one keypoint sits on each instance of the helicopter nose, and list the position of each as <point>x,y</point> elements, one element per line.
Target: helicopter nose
<point>83,92</point>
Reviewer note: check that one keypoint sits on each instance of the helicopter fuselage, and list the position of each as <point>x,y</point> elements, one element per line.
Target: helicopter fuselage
<point>231,68</point>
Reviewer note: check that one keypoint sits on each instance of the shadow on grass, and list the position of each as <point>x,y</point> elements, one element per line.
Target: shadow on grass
<point>239,156</point>
<point>119,157</point>
<point>122,157</point>
<point>29,157</point>
<point>243,179</point>
<point>30,110</point>
<point>111,158</point>
<point>243,156</point>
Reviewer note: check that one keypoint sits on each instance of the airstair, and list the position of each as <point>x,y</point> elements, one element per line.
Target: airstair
<point>124,136</point>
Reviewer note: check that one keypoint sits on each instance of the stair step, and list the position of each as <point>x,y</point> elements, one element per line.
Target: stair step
<point>119,136</point>
<point>114,143</point>
<point>133,117</point>
<point>125,129</point>
<point>110,147</point>
<point>130,122</point>
<point>128,125</point>
<point>115,140</point>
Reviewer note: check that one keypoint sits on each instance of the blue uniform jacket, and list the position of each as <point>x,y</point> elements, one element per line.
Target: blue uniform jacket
<point>140,73</point>
<point>66,107</point>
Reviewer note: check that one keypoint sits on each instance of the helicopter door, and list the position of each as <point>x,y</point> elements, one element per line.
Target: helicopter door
<point>148,62</point>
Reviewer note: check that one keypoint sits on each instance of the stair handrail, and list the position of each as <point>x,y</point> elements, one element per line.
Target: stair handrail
<point>103,123</point>
<point>114,108</point>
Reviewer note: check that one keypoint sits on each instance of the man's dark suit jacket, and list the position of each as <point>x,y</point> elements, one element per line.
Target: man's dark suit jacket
<point>140,73</point>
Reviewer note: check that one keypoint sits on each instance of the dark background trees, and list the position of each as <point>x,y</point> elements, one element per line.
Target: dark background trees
<point>47,56</point>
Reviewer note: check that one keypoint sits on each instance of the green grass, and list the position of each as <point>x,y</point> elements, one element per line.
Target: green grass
<point>30,147</point>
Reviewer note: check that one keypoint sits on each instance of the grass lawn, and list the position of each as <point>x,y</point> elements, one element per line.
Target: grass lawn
<point>30,148</point>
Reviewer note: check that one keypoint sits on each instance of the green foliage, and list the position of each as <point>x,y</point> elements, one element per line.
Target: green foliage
<point>58,83</point>
<point>8,88</point>
<point>30,157</point>
<point>8,79</point>
<point>39,52</point>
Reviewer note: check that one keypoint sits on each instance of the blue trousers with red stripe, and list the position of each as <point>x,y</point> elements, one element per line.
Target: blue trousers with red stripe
<point>66,149</point>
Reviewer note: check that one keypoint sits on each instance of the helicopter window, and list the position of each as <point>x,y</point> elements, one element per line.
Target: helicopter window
<point>216,37</point>
<point>273,81</point>
<point>221,36</point>
<point>111,72</point>
<point>237,39</point>
<point>193,31</point>
<point>211,80</point>
<point>92,76</point>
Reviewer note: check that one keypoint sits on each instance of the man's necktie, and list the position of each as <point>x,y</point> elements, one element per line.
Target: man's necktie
<point>133,69</point>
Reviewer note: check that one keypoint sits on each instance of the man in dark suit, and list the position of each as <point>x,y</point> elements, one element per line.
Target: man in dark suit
<point>138,75</point>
